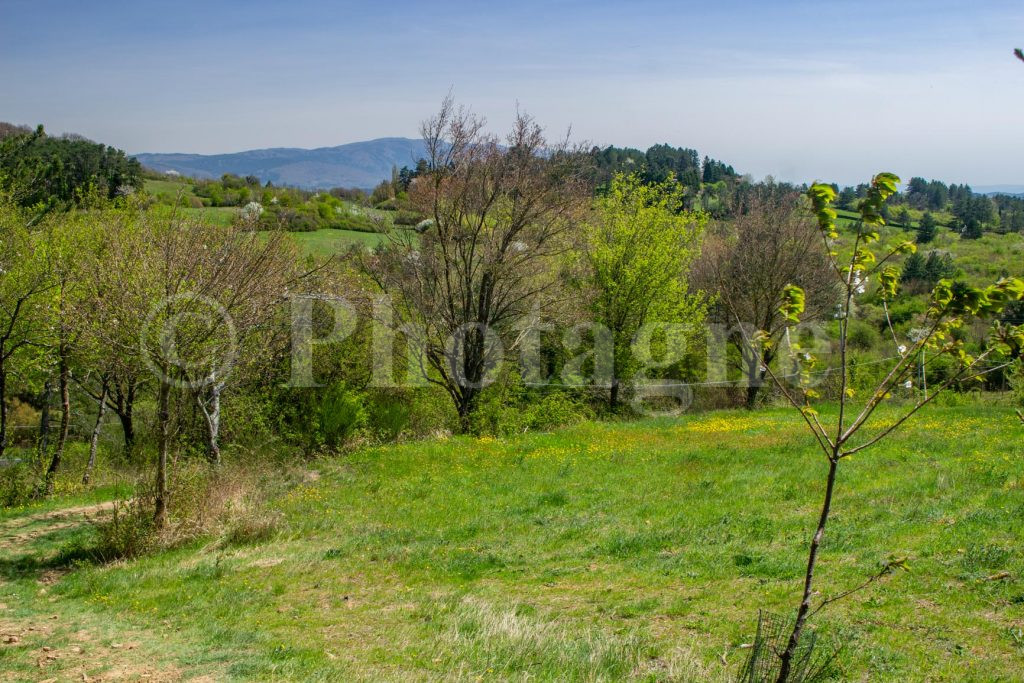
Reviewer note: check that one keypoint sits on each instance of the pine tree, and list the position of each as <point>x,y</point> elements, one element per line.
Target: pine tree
<point>913,268</point>
<point>926,228</point>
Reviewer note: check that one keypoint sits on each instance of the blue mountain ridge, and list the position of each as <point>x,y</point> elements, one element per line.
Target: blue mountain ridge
<point>356,164</point>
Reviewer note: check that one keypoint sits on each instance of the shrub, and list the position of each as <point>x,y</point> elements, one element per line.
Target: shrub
<point>17,482</point>
<point>1017,384</point>
<point>507,407</point>
<point>228,501</point>
<point>862,336</point>
<point>350,221</point>
<point>430,411</point>
<point>128,532</point>
<point>557,409</point>
<point>408,218</point>
<point>340,414</point>
<point>390,416</point>
<point>22,424</point>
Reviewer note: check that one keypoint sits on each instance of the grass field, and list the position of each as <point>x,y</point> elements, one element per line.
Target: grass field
<point>328,242</point>
<point>603,552</point>
<point>981,261</point>
<point>171,188</point>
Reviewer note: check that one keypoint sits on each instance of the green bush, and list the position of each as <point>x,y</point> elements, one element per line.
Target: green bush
<point>128,532</point>
<point>557,409</point>
<point>340,414</point>
<point>862,336</point>
<point>431,411</point>
<point>17,483</point>
<point>408,218</point>
<point>507,407</point>
<point>390,416</point>
<point>1017,383</point>
<point>350,221</point>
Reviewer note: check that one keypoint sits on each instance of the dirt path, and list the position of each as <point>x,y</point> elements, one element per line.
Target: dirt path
<point>21,531</point>
<point>66,645</point>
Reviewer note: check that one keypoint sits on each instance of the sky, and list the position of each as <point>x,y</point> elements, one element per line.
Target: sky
<point>801,91</point>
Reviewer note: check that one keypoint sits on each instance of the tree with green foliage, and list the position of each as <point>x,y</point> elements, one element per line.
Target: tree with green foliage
<point>175,297</point>
<point>926,228</point>
<point>26,285</point>
<point>47,173</point>
<point>638,249</point>
<point>972,229</point>
<point>952,305</point>
<point>901,216</point>
<point>913,268</point>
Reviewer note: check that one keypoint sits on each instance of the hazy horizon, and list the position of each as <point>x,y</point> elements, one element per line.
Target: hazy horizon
<point>799,91</point>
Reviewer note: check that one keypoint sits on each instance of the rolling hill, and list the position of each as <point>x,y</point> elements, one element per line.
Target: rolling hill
<point>357,164</point>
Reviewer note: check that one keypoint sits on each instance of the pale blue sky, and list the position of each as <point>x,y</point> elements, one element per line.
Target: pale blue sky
<point>800,90</point>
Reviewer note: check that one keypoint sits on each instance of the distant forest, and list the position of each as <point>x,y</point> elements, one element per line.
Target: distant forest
<point>46,171</point>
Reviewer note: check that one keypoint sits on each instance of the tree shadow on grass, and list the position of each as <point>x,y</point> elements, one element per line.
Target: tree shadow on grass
<point>59,550</point>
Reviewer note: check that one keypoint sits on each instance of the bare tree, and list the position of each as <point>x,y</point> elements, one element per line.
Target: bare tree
<point>499,214</point>
<point>748,262</point>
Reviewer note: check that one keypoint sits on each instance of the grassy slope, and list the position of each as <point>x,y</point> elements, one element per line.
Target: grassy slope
<point>318,243</point>
<point>982,261</point>
<point>328,242</point>
<point>601,552</point>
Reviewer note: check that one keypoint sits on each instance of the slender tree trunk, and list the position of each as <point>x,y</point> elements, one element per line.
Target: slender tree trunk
<point>786,658</point>
<point>613,395</point>
<point>65,421</point>
<point>43,443</point>
<point>163,416</point>
<point>211,414</point>
<point>128,429</point>
<point>94,440</point>
<point>3,408</point>
<point>125,408</point>
<point>755,377</point>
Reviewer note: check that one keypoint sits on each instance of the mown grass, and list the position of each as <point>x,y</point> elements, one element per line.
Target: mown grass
<point>328,241</point>
<point>602,552</point>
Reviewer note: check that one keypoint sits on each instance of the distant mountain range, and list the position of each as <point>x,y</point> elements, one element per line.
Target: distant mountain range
<point>1012,190</point>
<point>357,164</point>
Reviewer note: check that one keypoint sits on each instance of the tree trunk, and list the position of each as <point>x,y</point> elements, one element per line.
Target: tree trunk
<point>211,414</point>
<point>94,441</point>
<point>786,658</point>
<point>163,415</point>
<point>613,395</point>
<point>751,401</point>
<point>125,408</point>
<point>65,421</point>
<point>43,443</point>
<point>755,377</point>
<point>3,408</point>
<point>466,406</point>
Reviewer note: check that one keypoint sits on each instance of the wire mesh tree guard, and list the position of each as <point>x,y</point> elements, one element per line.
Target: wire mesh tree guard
<point>812,661</point>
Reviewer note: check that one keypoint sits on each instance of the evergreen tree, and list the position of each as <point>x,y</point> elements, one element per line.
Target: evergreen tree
<point>926,228</point>
<point>972,229</point>
<point>938,266</point>
<point>913,268</point>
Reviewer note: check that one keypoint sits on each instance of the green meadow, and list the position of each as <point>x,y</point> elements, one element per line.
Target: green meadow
<point>605,551</point>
